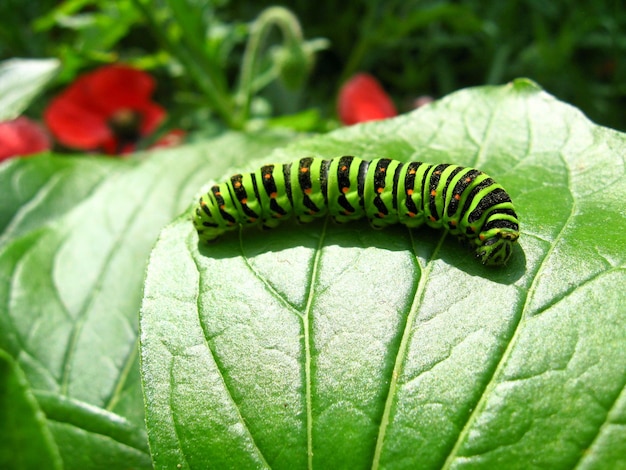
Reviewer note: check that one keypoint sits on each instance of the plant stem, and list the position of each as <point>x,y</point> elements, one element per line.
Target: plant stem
<point>222,106</point>
<point>292,33</point>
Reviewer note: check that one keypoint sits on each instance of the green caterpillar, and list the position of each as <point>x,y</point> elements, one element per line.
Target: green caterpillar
<point>463,201</point>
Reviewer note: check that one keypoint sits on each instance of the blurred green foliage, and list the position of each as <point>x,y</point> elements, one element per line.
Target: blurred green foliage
<point>197,49</point>
<point>573,48</point>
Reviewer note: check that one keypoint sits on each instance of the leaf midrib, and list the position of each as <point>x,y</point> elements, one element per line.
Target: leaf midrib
<point>403,348</point>
<point>81,318</point>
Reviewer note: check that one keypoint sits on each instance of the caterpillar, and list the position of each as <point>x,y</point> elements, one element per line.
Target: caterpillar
<point>464,201</point>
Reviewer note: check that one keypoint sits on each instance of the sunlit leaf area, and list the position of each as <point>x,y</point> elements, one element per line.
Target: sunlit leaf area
<point>247,235</point>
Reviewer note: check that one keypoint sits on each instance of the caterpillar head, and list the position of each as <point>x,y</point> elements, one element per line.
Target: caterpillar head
<point>496,247</point>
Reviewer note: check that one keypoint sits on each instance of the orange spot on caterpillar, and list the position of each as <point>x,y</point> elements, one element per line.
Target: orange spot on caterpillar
<point>411,214</point>
<point>379,190</point>
<point>304,170</point>
<point>311,212</point>
<point>432,219</point>
<point>202,203</point>
<point>382,170</point>
<point>308,191</point>
<point>433,193</point>
<point>222,206</point>
<point>409,192</point>
<point>438,172</point>
<point>453,223</point>
<point>244,201</point>
<point>482,237</point>
<point>273,195</point>
<point>412,171</point>
<point>343,168</point>
<point>237,184</point>
<point>457,197</point>
<point>346,212</point>
<point>380,215</point>
<point>267,176</point>
<point>345,189</point>
<point>468,179</point>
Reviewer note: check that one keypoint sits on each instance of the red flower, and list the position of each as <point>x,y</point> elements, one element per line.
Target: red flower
<point>363,99</point>
<point>22,136</point>
<point>108,109</point>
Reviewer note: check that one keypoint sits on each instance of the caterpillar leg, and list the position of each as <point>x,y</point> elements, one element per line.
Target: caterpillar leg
<point>497,250</point>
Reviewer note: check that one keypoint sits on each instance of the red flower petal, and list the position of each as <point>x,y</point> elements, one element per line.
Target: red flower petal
<point>152,117</point>
<point>363,99</point>
<point>75,124</point>
<point>22,136</point>
<point>118,86</point>
<point>81,116</point>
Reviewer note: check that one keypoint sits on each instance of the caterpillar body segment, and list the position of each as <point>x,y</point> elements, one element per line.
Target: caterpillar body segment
<point>462,200</point>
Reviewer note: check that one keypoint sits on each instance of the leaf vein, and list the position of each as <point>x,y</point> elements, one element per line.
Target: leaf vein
<point>306,326</point>
<point>608,421</point>
<point>206,335</point>
<point>420,290</point>
<point>271,289</point>
<point>497,371</point>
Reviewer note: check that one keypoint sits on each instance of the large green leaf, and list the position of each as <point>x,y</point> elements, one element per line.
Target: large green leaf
<point>20,81</point>
<point>342,347</point>
<point>76,235</point>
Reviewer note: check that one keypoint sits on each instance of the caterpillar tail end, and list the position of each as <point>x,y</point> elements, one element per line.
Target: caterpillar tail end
<point>206,234</point>
<point>207,228</point>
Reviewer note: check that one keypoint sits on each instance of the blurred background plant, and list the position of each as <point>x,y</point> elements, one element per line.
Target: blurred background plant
<point>238,64</point>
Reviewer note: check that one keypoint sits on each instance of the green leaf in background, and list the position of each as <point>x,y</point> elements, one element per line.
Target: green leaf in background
<point>342,347</point>
<point>20,81</point>
<point>76,235</point>
<point>23,424</point>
